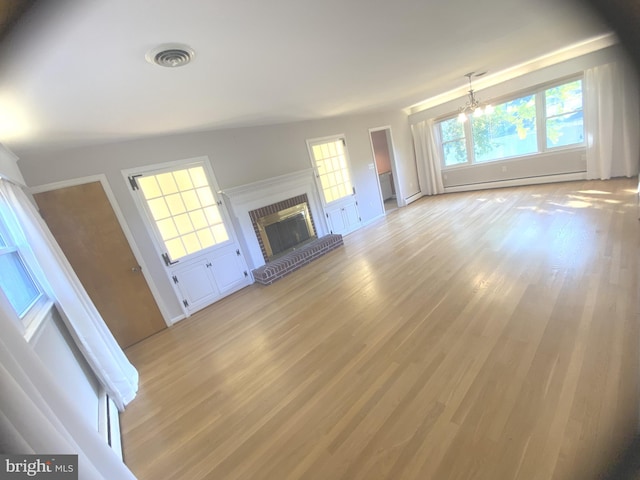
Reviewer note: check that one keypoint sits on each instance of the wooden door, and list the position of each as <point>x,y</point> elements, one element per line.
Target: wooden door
<point>87,229</point>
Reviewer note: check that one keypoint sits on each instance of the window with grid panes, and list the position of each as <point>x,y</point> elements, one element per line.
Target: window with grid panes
<point>184,210</point>
<point>330,158</point>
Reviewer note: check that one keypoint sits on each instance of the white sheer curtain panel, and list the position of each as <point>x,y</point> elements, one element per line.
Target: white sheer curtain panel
<point>107,360</point>
<point>37,417</point>
<point>425,142</point>
<point>612,121</point>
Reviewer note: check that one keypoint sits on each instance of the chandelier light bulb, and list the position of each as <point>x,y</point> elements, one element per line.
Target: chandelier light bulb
<point>473,106</point>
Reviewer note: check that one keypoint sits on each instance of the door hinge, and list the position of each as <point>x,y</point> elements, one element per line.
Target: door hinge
<point>344,142</point>
<point>356,203</point>
<point>175,279</point>
<point>359,219</point>
<point>246,274</point>
<point>327,215</point>
<point>219,202</point>
<point>238,252</point>
<point>354,190</point>
<point>185,303</point>
<point>167,260</point>
<point>208,265</point>
<point>133,182</point>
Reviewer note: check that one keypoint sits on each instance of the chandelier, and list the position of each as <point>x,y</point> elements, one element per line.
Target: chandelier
<point>473,106</point>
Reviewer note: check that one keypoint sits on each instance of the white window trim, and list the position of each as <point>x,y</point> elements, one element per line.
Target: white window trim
<point>37,311</point>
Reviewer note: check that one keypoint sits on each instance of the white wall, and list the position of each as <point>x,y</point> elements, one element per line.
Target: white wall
<point>68,368</point>
<point>238,157</point>
<point>538,165</point>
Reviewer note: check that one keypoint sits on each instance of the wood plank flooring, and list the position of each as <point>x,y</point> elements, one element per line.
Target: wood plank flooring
<point>483,335</point>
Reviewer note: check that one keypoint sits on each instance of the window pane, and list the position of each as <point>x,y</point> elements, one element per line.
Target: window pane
<point>565,130</point>
<point>564,98</point>
<point>16,283</point>
<point>565,121</point>
<point>183,180</point>
<point>167,228</point>
<point>454,152</point>
<point>191,200</point>
<point>167,183</point>
<point>331,162</point>
<point>149,187</point>
<point>185,204</point>
<point>199,177</point>
<point>509,131</point>
<point>451,130</point>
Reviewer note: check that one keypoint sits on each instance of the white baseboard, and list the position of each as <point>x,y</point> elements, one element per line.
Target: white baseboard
<point>372,220</point>
<point>567,177</point>
<point>413,198</point>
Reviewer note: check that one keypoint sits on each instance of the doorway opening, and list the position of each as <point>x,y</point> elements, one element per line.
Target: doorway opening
<point>382,147</point>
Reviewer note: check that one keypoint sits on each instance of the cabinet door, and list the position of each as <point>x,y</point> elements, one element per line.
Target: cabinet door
<point>343,216</point>
<point>196,284</point>
<point>228,269</point>
<point>335,219</point>
<point>351,217</point>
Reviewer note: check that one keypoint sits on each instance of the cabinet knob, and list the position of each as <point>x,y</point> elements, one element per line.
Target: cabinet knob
<point>137,268</point>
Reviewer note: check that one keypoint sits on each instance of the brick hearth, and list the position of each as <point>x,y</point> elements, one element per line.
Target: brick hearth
<point>290,262</point>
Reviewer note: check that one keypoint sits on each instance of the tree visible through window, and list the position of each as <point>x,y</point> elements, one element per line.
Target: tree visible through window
<point>564,116</point>
<point>453,142</point>
<point>511,129</point>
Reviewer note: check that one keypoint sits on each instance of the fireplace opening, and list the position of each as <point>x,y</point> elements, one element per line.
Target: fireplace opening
<point>285,230</point>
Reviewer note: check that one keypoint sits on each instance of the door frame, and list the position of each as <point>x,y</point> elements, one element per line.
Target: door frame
<point>392,162</point>
<point>102,178</point>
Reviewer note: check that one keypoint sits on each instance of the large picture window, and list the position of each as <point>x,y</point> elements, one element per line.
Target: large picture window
<point>539,121</point>
<point>509,131</point>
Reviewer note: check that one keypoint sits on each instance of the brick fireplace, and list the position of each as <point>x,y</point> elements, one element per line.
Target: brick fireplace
<point>287,238</point>
<point>283,226</point>
<point>293,202</point>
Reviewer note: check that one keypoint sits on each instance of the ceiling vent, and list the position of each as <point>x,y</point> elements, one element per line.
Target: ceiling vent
<point>171,55</point>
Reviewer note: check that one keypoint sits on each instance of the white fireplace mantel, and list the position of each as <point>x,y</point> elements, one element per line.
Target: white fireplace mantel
<point>244,198</point>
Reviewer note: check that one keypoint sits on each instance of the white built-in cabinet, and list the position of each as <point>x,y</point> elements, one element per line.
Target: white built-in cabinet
<point>343,216</point>
<point>209,277</point>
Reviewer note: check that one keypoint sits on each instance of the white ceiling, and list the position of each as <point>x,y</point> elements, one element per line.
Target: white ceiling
<point>74,72</point>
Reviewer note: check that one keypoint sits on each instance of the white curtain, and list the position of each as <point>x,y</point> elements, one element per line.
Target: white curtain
<point>425,142</point>
<point>107,360</point>
<point>37,417</point>
<point>612,121</point>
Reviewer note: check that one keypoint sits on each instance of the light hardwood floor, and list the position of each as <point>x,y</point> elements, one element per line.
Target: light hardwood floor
<point>484,335</point>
